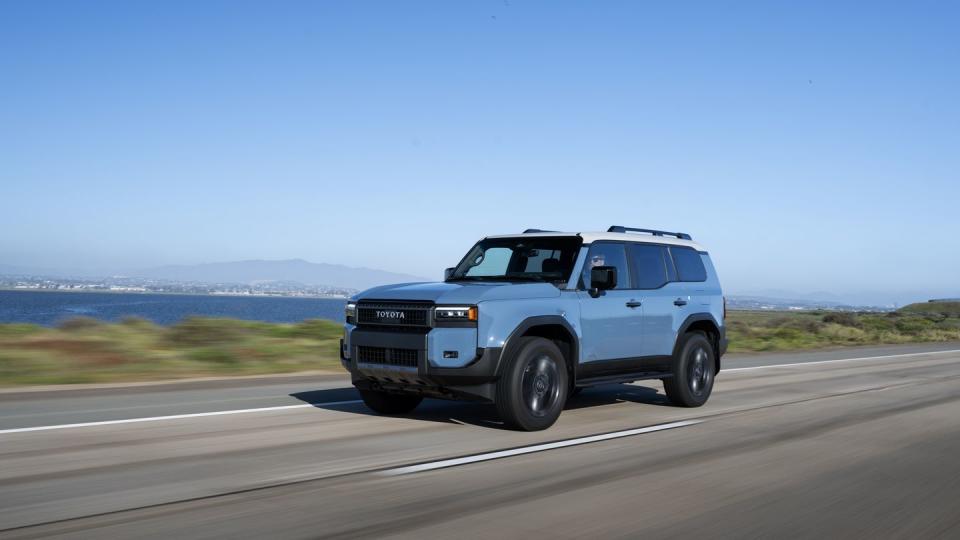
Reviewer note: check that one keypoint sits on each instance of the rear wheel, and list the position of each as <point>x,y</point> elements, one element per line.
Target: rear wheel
<point>533,388</point>
<point>692,380</point>
<point>385,403</point>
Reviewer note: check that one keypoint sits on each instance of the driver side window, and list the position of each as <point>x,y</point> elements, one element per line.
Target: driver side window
<point>607,254</point>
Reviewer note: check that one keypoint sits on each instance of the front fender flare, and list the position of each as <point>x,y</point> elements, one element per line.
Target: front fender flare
<point>512,343</point>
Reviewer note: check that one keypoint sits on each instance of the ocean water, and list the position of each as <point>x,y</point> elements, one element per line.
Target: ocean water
<point>50,307</point>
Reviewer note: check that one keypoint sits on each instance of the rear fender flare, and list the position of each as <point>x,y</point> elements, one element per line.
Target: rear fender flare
<point>690,321</point>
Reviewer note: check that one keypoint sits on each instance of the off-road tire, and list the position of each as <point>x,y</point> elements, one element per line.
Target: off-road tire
<point>693,371</point>
<point>385,403</point>
<point>533,388</point>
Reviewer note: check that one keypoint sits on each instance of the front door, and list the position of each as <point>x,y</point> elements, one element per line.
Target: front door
<point>610,322</point>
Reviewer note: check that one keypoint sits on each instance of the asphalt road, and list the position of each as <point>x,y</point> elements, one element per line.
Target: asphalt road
<point>848,443</point>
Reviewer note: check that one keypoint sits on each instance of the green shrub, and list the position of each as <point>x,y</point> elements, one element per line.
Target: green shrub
<point>841,334</point>
<point>877,324</point>
<point>194,331</point>
<point>20,329</point>
<point>75,324</point>
<point>137,322</point>
<point>805,324</point>
<point>776,321</point>
<point>914,325</point>
<point>949,324</point>
<point>842,318</point>
<point>319,329</point>
<point>210,355</point>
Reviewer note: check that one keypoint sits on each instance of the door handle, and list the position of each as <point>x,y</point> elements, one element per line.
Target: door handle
<point>634,304</point>
<point>679,302</point>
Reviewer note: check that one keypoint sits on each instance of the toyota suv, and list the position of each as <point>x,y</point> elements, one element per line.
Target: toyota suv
<point>527,320</point>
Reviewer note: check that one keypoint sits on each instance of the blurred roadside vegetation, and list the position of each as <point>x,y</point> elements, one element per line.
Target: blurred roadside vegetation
<point>83,350</point>
<point>756,331</point>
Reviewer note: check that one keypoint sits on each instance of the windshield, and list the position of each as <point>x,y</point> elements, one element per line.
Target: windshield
<point>546,259</point>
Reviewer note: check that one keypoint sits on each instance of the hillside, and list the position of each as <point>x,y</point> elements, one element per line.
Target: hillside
<point>945,308</point>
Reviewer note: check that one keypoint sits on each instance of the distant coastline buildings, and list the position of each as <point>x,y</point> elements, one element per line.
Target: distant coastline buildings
<point>140,285</point>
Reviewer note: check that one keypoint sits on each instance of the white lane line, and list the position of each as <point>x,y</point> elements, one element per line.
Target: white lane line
<point>442,464</point>
<point>722,370</point>
<point>175,417</point>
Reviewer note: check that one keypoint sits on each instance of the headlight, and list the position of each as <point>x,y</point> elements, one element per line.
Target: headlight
<point>455,313</point>
<point>350,312</point>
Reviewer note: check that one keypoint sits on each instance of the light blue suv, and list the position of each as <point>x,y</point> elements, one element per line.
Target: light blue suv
<point>527,320</point>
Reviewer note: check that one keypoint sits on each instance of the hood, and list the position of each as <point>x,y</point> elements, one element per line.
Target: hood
<point>459,293</point>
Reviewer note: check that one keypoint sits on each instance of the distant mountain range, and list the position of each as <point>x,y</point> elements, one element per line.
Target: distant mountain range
<point>293,270</point>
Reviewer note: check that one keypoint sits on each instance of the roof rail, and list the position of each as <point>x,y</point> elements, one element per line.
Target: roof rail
<point>535,230</point>
<point>622,229</point>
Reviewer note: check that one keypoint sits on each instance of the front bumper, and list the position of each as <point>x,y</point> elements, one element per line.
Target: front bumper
<point>384,360</point>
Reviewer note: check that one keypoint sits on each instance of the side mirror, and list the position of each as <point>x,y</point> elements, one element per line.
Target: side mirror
<point>602,278</point>
<point>448,273</point>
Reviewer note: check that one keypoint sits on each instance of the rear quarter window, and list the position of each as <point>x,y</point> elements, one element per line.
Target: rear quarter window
<point>689,264</point>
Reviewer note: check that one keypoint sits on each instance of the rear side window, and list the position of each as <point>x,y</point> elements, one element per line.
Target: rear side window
<point>689,264</point>
<point>650,266</point>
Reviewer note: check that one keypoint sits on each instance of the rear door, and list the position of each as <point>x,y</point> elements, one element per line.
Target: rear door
<point>655,278</point>
<point>611,328</point>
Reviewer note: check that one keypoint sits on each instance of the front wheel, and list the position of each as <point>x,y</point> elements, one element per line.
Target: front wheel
<point>533,388</point>
<point>692,380</point>
<point>385,403</point>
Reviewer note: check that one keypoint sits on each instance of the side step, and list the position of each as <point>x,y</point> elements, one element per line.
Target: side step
<point>622,378</point>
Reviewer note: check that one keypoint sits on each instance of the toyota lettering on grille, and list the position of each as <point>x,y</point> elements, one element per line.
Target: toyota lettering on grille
<point>390,315</point>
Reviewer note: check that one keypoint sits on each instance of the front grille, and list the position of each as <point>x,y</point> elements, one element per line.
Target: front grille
<point>372,355</point>
<point>393,314</point>
<point>403,357</point>
<point>388,356</point>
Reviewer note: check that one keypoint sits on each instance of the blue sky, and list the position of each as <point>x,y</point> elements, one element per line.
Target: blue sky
<point>810,146</point>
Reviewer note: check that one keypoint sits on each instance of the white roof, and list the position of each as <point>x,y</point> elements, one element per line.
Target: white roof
<point>590,237</point>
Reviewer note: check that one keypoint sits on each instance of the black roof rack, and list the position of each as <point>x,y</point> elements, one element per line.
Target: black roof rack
<point>622,229</point>
<point>535,230</point>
